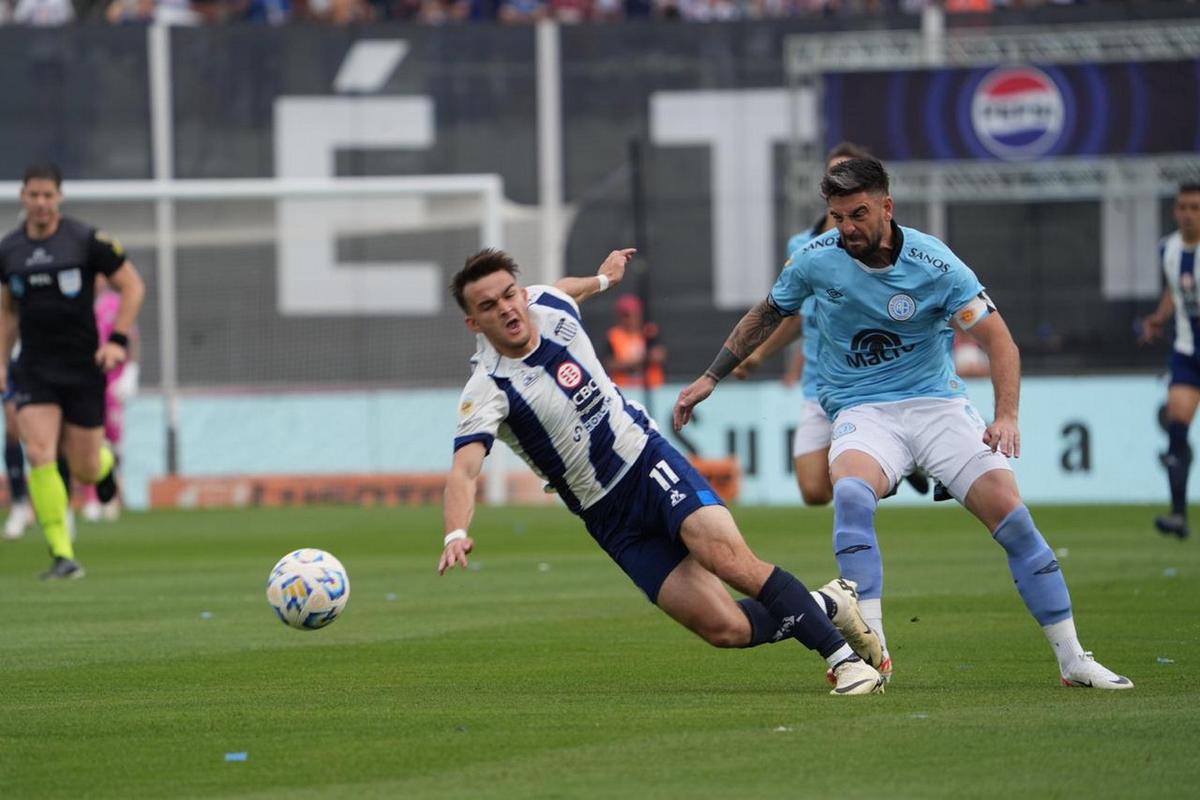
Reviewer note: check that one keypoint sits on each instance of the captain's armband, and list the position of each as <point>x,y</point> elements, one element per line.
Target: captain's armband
<point>970,314</point>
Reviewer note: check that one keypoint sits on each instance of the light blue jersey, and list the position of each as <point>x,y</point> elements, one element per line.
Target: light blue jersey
<point>812,337</point>
<point>882,331</point>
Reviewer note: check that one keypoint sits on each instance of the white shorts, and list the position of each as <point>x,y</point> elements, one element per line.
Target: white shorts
<point>814,430</point>
<point>944,436</point>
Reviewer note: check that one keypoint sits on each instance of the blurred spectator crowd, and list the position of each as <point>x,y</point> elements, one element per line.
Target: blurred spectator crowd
<point>437,12</point>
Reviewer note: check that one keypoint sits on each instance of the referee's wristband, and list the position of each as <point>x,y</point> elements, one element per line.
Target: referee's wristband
<point>453,536</point>
<point>116,337</point>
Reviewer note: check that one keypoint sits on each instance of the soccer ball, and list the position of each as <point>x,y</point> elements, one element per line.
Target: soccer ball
<point>308,589</point>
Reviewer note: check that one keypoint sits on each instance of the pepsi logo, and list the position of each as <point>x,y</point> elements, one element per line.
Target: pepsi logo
<point>569,375</point>
<point>1017,112</point>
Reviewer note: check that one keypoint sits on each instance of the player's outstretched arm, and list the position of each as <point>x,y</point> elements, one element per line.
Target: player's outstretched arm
<point>749,333</point>
<point>459,505</point>
<point>611,272</point>
<point>993,336</point>
<point>789,330</point>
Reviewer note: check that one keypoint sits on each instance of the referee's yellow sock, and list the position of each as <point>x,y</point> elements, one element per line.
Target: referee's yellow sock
<point>49,495</point>
<point>107,459</point>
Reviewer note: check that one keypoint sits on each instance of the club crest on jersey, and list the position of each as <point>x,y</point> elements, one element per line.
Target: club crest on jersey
<point>569,375</point>
<point>70,282</point>
<point>901,307</point>
<point>1018,112</point>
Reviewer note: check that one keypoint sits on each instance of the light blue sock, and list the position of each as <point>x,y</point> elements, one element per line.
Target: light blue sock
<point>1034,568</point>
<point>854,542</point>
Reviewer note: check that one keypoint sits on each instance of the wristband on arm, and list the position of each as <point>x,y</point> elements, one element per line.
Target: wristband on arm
<point>722,365</point>
<point>116,337</point>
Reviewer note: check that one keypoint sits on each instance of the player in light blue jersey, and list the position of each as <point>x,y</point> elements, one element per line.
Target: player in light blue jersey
<point>538,385</point>
<point>810,442</point>
<point>884,295</point>
<point>1181,300</point>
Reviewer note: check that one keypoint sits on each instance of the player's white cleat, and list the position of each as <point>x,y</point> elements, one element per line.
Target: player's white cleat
<point>1089,673</point>
<point>850,622</point>
<point>20,517</point>
<point>855,676</point>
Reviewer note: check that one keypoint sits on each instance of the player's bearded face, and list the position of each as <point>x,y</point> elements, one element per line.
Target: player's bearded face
<point>40,198</point>
<point>500,311</point>
<point>863,220</point>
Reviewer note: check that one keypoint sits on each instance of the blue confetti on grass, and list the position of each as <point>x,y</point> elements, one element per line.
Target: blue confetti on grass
<point>237,756</point>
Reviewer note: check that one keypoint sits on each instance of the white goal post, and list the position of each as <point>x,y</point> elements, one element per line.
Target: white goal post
<point>280,214</point>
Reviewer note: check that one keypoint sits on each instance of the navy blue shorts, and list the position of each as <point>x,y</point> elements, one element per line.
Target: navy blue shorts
<point>638,522</point>
<point>1185,369</point>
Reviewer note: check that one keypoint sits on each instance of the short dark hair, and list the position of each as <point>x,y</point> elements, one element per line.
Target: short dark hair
<point>1187,187</point>
<point>478,266</point>
<point>847,150</point>
<point>854,176</point>
<point>43,171</point>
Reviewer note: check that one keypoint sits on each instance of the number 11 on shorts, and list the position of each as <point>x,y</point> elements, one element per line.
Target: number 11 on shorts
<point>663,475</point>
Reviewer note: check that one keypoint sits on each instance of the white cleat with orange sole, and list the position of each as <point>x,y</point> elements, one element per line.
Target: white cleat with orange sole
<point>1088,673</point>
<point>850,622</point>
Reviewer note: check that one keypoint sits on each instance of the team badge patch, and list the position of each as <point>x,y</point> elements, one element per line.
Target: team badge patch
<point>569,375</point>
<point>901,307</point>
<point>843,429</point>
<point>70,282</point>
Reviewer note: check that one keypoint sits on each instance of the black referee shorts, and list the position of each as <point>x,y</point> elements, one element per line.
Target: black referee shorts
<point>78,392</point>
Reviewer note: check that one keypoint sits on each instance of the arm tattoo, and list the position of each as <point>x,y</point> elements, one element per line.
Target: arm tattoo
<point>752,331</point>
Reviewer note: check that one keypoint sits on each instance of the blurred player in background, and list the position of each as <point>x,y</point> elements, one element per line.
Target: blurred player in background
<point>122,384</point>
<point>538,385</point>
<point>48,266</point>
<point>635,358</point>
<point>1181,300</point>
<point>884,294</point>
<point>20,511</point>
<point>810,443</point>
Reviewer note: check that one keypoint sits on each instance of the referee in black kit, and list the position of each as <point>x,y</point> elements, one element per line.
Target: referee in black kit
<point>49,266</point>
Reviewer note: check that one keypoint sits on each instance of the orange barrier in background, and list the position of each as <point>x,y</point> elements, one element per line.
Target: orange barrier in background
<point>273,491</point>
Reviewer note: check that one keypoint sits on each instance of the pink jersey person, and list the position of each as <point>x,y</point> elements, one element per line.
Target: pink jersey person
<point>108,303</point>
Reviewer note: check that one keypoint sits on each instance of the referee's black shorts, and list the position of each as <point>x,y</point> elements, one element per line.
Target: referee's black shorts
<point>79,391</point>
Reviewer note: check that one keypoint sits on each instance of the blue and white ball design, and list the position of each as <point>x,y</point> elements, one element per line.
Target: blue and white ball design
<point>308,589</point>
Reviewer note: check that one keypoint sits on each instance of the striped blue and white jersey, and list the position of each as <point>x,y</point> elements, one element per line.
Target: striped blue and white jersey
<point>1179,268</point>
<point>556,408</point>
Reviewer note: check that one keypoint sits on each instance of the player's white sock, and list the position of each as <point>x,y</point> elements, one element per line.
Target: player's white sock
<point>872,611</point>
<point>1065,642</point>
<point>839,655</point>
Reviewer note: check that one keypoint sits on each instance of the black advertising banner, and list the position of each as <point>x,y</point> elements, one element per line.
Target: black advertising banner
<point>1015,113</point>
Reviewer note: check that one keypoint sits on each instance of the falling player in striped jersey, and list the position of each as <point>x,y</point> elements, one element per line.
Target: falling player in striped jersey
<point>1181,300</point>
<point>538,385</point>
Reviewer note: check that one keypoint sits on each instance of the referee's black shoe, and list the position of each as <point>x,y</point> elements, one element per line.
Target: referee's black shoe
<point>63,569</point>
<point>106,489</point>
<point>1173,525</point>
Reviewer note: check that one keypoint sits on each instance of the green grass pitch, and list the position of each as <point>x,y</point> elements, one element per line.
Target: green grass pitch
<point>543,672</point>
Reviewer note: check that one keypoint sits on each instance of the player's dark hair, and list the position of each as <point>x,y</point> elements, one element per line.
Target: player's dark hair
<point>854,176</point>
<point>847,150</point>
<point>1187,187</point>
<point>478,266</point>
<point>44,171</point>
